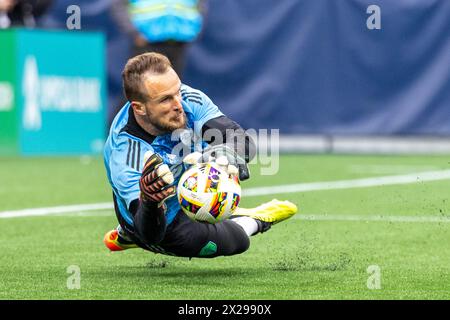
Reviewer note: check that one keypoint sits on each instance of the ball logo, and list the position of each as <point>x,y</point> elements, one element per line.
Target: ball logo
<point>191,183</point>
<point>213,180</point>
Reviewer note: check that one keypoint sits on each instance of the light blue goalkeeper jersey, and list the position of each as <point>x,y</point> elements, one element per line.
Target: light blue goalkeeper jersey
<point>128,142</point>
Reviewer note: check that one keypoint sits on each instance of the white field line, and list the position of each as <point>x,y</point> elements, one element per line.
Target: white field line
<point>309,217</point>
<point>381,218</point>
<point>252,192</point>
<point>348,184</point>
<point>384,169</point>
<point>93,213</point>
<point>56,210</point>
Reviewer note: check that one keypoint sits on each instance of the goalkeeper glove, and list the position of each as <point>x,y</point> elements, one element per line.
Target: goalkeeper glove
<point>225,157</point>
<point>156,180</point>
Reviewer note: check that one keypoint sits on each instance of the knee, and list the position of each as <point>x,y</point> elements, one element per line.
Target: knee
<point>231,241</point>
<point>241,243</point>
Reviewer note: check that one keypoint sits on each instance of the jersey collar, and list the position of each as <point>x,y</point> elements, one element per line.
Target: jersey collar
<point>133,128</point>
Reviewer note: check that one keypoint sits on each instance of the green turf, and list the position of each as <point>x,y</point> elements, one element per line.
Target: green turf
<point>297,259</point>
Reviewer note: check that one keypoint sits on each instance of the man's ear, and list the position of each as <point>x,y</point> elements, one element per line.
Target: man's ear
<point>138,108</point>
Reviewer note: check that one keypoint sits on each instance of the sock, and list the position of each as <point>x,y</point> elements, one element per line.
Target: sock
<point>249,225</point>
<point>122,233</point>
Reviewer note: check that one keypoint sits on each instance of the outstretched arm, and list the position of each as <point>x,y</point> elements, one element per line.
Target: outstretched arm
<point>234,137</point>
<point>149,218</point>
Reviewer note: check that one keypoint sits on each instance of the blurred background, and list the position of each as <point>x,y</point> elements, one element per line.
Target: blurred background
<point>358,89</point>
<point>332,76</point>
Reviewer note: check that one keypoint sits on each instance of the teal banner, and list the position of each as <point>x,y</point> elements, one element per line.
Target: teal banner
<point>60,86</point>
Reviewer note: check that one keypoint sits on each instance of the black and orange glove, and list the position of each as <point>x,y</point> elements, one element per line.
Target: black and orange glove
<point>156,180</point>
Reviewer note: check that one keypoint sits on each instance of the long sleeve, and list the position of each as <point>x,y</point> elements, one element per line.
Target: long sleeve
<point>232,133</point>
<point>149,221</point>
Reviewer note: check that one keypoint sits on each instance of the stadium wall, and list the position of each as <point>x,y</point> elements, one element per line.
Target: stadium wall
<point>315,67</point>
<point>52,101</point>
<point>388,145</point>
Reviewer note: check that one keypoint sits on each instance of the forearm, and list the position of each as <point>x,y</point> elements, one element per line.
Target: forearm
<point>155,185</point>
<point>232,134</point>
<point>149,222</point>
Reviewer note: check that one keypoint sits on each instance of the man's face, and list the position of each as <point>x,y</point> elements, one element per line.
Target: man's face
<point>163,108</point>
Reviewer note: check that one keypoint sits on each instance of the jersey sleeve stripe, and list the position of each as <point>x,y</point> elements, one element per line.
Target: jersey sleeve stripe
<point>191,95</point>
<point>129,151</point>
<point>133,154</point>
<point>190,92</point>
<point>138,158</point>
<point>194,100</point>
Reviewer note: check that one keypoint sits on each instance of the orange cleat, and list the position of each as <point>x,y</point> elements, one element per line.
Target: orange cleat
<point>114,242</point>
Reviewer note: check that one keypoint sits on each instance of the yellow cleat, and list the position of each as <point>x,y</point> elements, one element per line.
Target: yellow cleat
<point>272,212</point>
<point>114,242</point>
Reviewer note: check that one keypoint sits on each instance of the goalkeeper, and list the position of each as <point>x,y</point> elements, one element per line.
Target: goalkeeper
<point>143,171</point>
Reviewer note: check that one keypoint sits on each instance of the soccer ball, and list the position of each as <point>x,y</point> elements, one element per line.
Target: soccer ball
<point>207,193</point>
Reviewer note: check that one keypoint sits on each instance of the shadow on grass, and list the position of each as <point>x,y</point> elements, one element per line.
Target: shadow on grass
<point>170,270</point>
<point>202,274</point>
